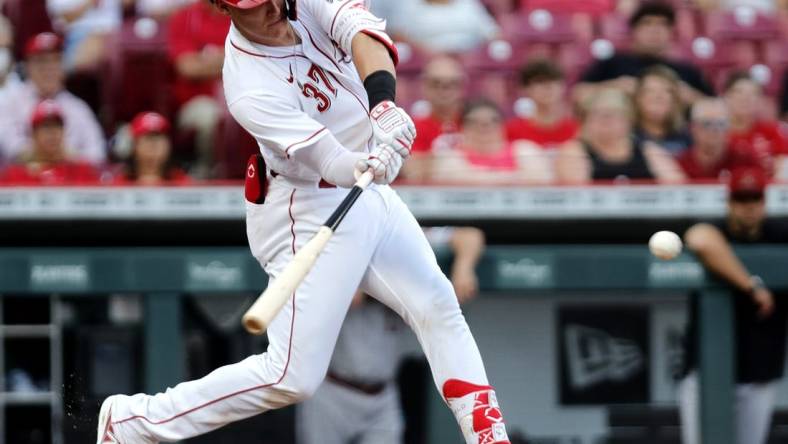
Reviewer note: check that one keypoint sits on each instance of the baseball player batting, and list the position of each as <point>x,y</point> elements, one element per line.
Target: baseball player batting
<point>315,86</point>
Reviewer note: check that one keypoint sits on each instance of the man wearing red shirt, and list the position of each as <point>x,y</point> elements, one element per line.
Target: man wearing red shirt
<point>47,162</point>
<point>709,157</point>
<point>550,125</point>
<point>197,34</point>
<point>749,137</point>
<point>444,89</point>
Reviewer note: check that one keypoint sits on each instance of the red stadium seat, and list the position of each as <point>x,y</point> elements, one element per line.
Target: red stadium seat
<point>233,147</point>
<point>411,64</point>
<point>741,24</point>
<point>139,72</point>
<point>492,71</point>
<point>541,26</point>
<point>29,18</point>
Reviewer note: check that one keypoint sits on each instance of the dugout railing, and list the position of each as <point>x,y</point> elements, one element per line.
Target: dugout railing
<point>163,275</point>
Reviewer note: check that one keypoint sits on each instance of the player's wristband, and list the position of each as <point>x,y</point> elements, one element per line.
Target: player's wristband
<point>381,86</point>
<point>756,283</point>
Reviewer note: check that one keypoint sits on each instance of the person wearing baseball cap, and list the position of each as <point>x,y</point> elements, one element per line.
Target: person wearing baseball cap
<point>760,316</point>
<point>150,162</point>
<point>196,37</point>
<point>46,81</point>
<point>48,161</point>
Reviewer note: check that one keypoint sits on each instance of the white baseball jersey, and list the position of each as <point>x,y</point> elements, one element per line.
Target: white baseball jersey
<point>302,95</point>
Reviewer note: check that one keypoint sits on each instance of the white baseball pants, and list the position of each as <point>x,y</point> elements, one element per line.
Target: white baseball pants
<point>379,248</point>
<point>753,411</point>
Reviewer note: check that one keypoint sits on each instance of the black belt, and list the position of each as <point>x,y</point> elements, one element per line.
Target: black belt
<point>369,389</point>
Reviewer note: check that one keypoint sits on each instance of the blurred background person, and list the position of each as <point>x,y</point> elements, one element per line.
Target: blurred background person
<point>159,9</point>
<point>47,161</point>
<point>760,316</point>
<point>651,35</point>
<point>440,26</point>
<point>551,123</point>
<point>86,25</point>
<point>482,154</point>
<point>762,6</point>
<point>43,64</point>
<point>607,150</point>
<point>751,136</point>
<point>443,83</point>
<point>709,157</point>
<point>150,162</point>
<point>660,111</point>
<point>8,77</point>
<point>196,46</point>
<point>362,374</point>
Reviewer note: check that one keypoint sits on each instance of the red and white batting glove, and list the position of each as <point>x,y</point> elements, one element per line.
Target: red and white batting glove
<point>392,126</point>
<point>385,163</point>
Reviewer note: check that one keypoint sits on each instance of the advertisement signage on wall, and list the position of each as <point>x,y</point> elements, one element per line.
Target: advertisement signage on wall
<point>603,354</point>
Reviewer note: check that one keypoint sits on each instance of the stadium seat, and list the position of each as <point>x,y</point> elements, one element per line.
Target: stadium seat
<point>139,71</point>
<point>29,17</point>
<point>233,147</point>
<point>411,64</point>
<point>741,24</point>
<point>541,26</point>
<point>492,71</point>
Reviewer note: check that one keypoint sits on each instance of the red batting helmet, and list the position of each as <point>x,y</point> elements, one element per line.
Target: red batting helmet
<point>242,4</point>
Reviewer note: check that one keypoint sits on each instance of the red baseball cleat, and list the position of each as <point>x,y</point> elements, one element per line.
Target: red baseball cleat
<point>477,410</point>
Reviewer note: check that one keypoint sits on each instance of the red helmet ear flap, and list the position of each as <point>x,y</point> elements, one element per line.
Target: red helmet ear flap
<point>292,11</point>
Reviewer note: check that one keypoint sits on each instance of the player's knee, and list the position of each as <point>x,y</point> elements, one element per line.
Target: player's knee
<point>302,390</point>
<point>441,306</point>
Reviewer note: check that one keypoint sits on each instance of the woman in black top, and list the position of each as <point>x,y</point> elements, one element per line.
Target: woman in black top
<point>660,111</point>
<point>606,149</point>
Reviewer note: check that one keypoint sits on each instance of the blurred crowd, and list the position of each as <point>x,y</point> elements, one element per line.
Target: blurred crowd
<point>502,91</point>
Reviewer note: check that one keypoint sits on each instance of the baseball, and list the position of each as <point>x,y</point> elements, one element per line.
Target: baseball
<point>665,245</point>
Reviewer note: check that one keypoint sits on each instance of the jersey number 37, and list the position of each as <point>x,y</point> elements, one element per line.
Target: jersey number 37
<point>311,88</point>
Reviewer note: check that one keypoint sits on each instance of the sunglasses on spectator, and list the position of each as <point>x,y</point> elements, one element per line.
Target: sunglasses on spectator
<point>476,122</point>
<point>713,124</point>
<point>444,82</point>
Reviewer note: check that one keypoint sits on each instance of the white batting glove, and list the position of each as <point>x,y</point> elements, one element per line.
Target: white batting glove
<point>392,126</point>
<point>384,162</point>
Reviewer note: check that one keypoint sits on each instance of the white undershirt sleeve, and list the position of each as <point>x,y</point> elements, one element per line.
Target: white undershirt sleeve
<point>335,164</point>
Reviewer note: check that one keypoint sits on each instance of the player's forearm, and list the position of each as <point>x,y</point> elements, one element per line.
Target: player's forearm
<point>717,256</point>
<point>468,246</point>
<point>371,55</point>
<point>335,164</point>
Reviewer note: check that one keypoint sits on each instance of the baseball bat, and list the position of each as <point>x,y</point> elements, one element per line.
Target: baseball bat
<point>270,303</point>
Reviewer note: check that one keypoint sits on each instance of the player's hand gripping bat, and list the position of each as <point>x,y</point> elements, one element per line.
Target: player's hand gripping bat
<point>270,303</point>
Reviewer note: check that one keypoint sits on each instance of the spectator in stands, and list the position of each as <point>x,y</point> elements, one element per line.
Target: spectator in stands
<point>759,315</point>
<point>159,9</point>
<point>43,62</point>
<point>150,162</point>
<point>482,153</point>
<point>660,111</point>
<point>86,25</point>
<point>441,26</point>
<point>48,161</point>
<point>606,149</point>
<point>197,34</point>
<point>443,84</point>
<point>591,7</point>
<point>651,28</point>
<point>709,157</point>
<point>751,137</point>
<point>763,6</point>
<point>8,78</point>
<point>551,124</point>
